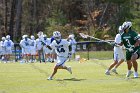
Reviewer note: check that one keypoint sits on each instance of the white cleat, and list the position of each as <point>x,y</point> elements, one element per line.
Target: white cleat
<point>114,70</point>
<point>69,69</point>
<point>135,74</point>
<point>49,78</point>
<point>107,73</point>
<point>129,73</point>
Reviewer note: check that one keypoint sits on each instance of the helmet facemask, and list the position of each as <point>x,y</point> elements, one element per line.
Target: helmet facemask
<point>57,36</point>
<point>120,30</point>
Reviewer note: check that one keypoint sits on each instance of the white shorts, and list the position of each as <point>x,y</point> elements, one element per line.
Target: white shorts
<point>61,61</point>
<point>7,51</point>
<point>73,49</point>
<point>118,55</point>
<point>32,51</point>
<point>2,52</point>
<point>26,51</point>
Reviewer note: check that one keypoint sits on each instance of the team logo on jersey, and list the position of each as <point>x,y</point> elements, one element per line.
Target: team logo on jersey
<point>126,37</point>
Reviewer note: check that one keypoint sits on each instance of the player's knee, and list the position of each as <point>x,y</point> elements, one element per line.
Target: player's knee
<point>56,67</point>
<point>134,57</point>
<point>115,62</point>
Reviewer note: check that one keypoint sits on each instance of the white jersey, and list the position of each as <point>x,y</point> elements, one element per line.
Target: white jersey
<point>2,48</point>
<point>8,44</point>
<point>32,47</point>
<point>118,41</point>
<point>47,41</point>
<point>39,44</point>
<point>25,45</point>
<point>73,44</point>
<point>33,44</point>
<point>45,49</point>
<point>118,51</point>
<point>62,48</point>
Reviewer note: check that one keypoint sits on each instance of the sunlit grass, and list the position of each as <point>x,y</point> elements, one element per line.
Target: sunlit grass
<point>87,77</point>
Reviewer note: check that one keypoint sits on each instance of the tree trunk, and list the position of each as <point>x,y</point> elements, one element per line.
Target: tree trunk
<point>5,21</point>
<point>12,17</point>
<point>17,31</point>
<point>32,17</point>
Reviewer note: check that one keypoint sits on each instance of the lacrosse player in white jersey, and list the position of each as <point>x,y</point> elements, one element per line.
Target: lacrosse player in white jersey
<point>2,53</point>
<point>46,51</point>
<point>73,43</point>
<point>32,49</point>
<point>118,54</point>
<point>39,46</point>
<point>8,47</point>
<point>25,45</point>
<point>62,48</point>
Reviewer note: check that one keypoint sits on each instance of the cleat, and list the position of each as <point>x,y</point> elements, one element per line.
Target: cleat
<point>114,70</point>
<point>49,78</point>
<point>107,73</point>
<point>129,73</point>
<point>69,69</point>
<point>135,74</point>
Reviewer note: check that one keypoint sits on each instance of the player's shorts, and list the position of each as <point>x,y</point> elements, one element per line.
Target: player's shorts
<point>129,54</point>
<point>118,55</point>
<point>2,52</point>
<point>61,61</point>
<point>32,51</point>
<point>73,51</point>
<point>26,51</point>
<point>8,51</point>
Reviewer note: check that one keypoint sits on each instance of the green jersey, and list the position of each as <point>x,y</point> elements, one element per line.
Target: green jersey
<point>129,39</point>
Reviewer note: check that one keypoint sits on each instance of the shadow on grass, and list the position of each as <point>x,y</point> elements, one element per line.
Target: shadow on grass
<point>70,79</point>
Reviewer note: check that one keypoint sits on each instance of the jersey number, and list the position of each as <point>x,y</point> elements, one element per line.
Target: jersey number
<point>128,42</point>
<point>8,44</point>
<point>60,50</point>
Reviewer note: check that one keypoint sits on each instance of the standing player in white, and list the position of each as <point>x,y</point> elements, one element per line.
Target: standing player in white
<point>33,49</point>
<point>25,45</point>
<point>2,48</point>
<point>46,51</point>
<point>39,46</point>
<point>8,47</point>
<point>62,48</point>
<point>118,54</point>
<point>73,43</point>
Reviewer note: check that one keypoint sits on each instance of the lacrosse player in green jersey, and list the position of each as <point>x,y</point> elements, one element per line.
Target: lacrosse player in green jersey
<point>131,41</point>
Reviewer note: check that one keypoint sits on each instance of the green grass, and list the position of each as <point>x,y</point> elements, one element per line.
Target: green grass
<point>96,54</point>
<point>87,77</point>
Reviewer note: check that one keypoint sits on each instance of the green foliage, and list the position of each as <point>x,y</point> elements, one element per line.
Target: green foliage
<point>50,15</point>
<point>118,1</point>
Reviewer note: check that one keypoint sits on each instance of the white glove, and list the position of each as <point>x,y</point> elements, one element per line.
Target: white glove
<point>131,49</point>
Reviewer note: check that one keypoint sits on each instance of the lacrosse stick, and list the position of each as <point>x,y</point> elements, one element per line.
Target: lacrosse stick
<point>86,36</point>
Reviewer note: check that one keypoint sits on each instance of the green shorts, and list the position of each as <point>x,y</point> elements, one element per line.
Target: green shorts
<point>129,54</point>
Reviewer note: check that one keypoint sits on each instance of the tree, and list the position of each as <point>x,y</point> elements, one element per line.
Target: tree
<point>17,32</point>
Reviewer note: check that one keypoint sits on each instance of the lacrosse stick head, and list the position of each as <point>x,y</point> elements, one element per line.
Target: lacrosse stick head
<point>83,35</point>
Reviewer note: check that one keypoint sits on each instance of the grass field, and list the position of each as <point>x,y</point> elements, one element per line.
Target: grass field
<point>87,77</point>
